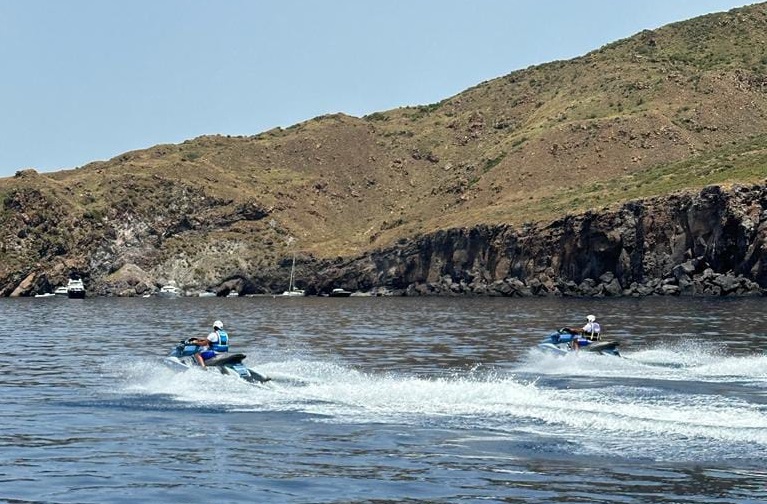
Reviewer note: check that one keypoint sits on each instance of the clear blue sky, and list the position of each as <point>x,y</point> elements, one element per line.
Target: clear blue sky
<point>86,80</point>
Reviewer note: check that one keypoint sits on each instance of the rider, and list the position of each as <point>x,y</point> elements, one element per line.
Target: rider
<point>590,331</point>
<point>216,342</point>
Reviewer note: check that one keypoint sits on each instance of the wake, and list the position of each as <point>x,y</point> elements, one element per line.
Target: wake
<point>684,361</point>
<point>629,409</point>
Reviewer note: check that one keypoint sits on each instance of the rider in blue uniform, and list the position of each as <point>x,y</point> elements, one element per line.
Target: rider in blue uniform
<point>216,342</point>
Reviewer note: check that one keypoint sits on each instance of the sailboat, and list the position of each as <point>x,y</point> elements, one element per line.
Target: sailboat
<point>292,291</point>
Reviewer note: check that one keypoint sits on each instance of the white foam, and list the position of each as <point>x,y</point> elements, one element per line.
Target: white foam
<point>618,413</point>
<point>681,362</point>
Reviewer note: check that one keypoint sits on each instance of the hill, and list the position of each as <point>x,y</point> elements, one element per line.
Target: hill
<point>665,111</point>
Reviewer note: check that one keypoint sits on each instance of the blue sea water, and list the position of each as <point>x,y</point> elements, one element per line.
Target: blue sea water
<point>384,400</point>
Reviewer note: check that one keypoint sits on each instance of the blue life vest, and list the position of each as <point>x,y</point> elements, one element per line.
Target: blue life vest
<point>223,342</point>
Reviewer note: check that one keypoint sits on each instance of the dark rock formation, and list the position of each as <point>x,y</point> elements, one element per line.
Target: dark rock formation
<point>711,243</point>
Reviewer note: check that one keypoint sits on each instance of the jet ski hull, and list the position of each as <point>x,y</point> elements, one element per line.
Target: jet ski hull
<point>554,349</point>
<point>562,344</point>
<point>182,359</point>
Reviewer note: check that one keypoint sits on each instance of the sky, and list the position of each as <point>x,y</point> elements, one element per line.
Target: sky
<point>87,80</point>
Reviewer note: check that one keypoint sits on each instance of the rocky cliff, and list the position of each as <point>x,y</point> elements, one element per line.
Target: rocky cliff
<point>709,243</point>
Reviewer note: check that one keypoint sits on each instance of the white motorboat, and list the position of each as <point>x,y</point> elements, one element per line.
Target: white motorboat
<point>75,289</point>
<point>169,291</point>
<point>61,291</point>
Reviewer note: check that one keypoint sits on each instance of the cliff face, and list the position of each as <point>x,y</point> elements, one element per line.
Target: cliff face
<point>710,243</point>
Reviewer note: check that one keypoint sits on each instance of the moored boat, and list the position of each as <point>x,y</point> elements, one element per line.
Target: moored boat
<point>292,291</point>
<point>169,291</point>
<point>75,289</point>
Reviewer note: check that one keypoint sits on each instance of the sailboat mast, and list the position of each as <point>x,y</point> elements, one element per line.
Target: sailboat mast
<point>292,268</point>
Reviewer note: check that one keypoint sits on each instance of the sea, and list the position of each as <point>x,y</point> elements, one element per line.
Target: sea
<point>384,400</point>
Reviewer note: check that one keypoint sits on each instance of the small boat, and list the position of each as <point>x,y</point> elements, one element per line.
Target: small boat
<point>45,295</point>
<point>340,293</point>
<point>292,291</point>
<point>61,291</point>
<point>233,293</point>
<point>75,289</point>
<point>169,291</point>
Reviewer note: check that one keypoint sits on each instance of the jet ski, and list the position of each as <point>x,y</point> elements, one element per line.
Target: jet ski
<point>563,342</point>
<point>182,358</point>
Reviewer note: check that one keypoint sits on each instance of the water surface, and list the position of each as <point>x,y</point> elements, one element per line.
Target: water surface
<point>384,400</point>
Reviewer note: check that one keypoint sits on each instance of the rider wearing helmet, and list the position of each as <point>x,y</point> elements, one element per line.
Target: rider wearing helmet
<point>590,331</point>
<point>216,342</point>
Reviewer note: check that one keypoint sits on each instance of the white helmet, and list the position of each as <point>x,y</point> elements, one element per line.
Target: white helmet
<point>591,318</point>
<point>218,324</point>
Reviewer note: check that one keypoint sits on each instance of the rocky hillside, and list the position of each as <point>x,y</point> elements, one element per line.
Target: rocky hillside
<point>646,122</point>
